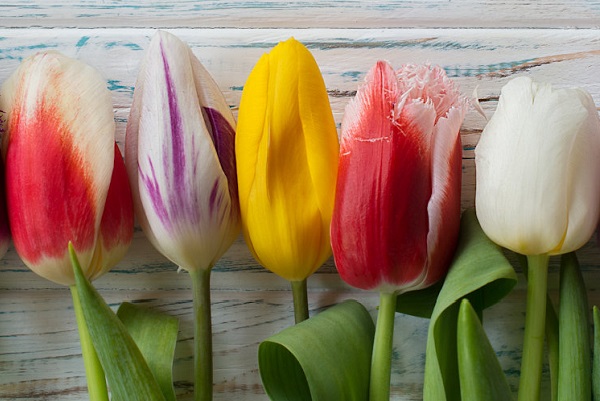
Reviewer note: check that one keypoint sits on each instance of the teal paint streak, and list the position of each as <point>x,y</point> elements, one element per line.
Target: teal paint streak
<point>20,52</point>
<point>82,42</point>
<point>129,45</point>
<point>117,86</point>
<point>353,75</point>
<point>473,71</point>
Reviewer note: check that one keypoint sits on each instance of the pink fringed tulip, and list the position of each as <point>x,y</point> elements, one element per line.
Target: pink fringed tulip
<point>181,161</point>
<point>397,207</point>
<point>59,150</point>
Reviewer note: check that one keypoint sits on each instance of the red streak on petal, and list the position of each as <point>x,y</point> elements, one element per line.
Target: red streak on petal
<point>116,226</point>
<point>49,198</point>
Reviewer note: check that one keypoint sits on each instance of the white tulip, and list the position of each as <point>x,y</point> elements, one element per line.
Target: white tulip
<point>538,169</point>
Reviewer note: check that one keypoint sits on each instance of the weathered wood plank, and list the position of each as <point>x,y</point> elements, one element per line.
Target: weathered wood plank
<point>39,349</point>
<point>302,14</point>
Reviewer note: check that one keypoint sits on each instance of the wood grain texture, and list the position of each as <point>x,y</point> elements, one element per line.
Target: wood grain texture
<point>39,349</point>
<point>302,14</point>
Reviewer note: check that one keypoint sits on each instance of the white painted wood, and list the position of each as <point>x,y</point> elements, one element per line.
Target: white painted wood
<point>302,14</point>
<point>39,350</point>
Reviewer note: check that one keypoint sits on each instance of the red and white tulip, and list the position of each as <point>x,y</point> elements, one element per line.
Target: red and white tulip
<point>397,207</point>
<point>59,151</point>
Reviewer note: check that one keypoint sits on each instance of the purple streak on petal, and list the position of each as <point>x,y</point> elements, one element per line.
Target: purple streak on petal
<point>215,199</point>
<point>174,199</point>
<point>183,202</point>
<point>223,137</point>
<point>151,184</point>
<point>178,156</point>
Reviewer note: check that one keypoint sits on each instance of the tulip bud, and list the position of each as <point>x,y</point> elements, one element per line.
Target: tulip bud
<point>58,147</point>
<point>180,157</point>
<point>537,163</point>
<point>397,207</point>
<point>287,152</point>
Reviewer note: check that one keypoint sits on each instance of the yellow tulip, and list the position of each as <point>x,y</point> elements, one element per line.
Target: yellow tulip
<point>287,156</point>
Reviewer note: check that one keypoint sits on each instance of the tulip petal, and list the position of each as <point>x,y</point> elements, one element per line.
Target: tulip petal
<point>583,185</point>
<point>220,124</point>
<point>286,150</point>
<point>182,195</point>
<point>517,199</point>
<point>59,133</point>
<point>380,228</point>
<point>116,227</point>
<point>322,150</point>
<point>444,205</point>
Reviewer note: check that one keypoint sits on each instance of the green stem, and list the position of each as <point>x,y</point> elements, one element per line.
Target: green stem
<point>96,380</point>
<point>300,300</point>
<point>535,322</point>
<point>381,362</point>
<point>203,368</point>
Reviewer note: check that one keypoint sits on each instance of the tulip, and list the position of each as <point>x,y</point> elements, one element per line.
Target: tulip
<point>65,178</point>
<point>397,206</point>
<point>538,191</point>
<point>287,151</point>
<point>181,162</point>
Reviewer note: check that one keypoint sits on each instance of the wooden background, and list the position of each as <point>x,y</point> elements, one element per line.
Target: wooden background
<point>481,44</point>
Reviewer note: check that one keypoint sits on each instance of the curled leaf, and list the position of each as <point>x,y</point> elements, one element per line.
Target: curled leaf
<point>326,357</point>
<point>155,334</point>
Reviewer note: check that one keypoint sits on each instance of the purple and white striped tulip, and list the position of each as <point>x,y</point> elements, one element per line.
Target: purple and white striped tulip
<point>180,157</point>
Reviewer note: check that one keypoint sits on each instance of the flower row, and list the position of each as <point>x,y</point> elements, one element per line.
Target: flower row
<point>384,198</point>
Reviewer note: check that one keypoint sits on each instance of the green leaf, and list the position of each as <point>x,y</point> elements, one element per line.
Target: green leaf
<point>481,376</point>
<point>419,303</point>
<point>480,272</point>
<point>574,358</point>
<point>324,358</point>
<point>596,360</point>
<point>551,333</point>
<point>156,336</point>
<point>126,370</point>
